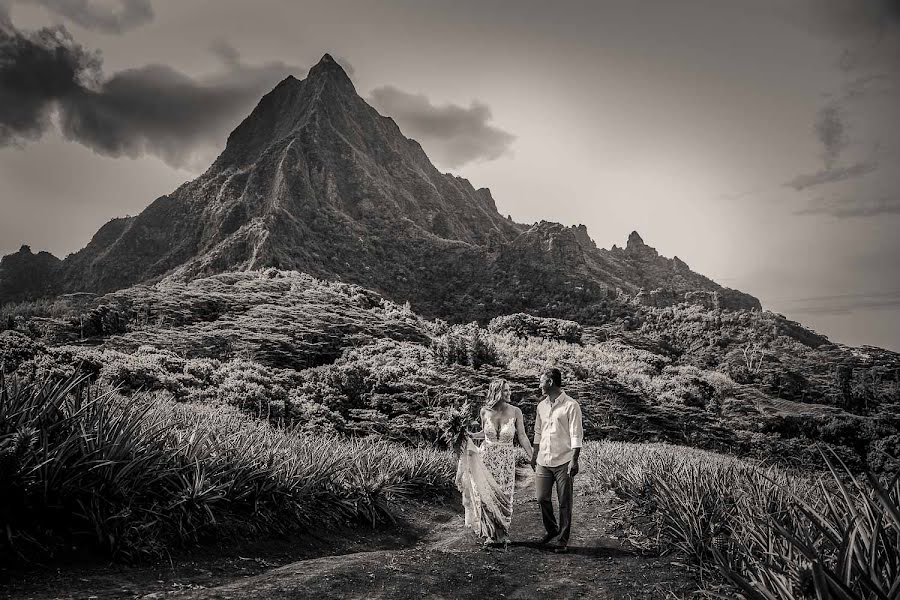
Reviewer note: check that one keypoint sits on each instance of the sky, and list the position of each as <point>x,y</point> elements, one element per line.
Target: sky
<point>757,140</point>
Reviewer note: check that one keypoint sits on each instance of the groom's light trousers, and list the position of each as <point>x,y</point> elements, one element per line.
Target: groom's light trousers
<point>545,478</point>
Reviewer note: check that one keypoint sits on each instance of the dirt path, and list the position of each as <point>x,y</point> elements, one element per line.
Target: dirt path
<point>449,563</point>
<point>429,555</point>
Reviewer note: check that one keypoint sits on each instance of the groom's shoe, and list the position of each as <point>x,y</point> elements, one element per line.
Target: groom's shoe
<point>561,550</point>
<point>546,539</point>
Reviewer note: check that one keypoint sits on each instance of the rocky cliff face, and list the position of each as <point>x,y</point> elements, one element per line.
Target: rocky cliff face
<point>314,179</point>
<point>668,281</point>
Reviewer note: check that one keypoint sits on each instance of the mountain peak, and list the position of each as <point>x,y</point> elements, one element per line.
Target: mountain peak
<point>327,66</point>
<point>637,248</point>
<point>634,241</point>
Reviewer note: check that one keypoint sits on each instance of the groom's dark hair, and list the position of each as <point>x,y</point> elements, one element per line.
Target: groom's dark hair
<point>555,376</point>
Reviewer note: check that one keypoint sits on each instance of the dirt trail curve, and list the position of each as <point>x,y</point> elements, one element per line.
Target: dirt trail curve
<point>449,563</point>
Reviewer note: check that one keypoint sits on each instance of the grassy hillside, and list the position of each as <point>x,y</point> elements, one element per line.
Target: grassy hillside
<point>334,357</point>
<point>266,399</point>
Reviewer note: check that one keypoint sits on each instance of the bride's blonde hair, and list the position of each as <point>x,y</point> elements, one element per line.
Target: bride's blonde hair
<point>498,391</point>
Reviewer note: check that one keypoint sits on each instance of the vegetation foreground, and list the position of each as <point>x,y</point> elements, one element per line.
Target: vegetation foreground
<point>270,402</point>
<point>88,468</point>
<point>771,533</point>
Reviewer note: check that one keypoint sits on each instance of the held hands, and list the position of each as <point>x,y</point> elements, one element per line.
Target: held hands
<point>475,435</point>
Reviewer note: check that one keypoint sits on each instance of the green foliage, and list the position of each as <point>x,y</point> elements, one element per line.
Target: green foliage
<point>771,533</point>
<point>688,386</point>
<point>82,466</point>
<point>44,307</point>
<point>389,389</point>
<point>532,355</point>
<point>282,319</point>
<point>465,345</point>
<point>16,348</point>
<point>252,387</point>
<point>525,325</point>
<point>336,358</point>
<point>884,454</point>
<point>778,356</point>
<point>148,368</point>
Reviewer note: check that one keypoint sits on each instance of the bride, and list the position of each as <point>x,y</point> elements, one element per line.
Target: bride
<point>486,474</point>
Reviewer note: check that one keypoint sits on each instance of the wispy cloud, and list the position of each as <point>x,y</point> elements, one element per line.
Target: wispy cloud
<point>734,196</point>
<point>832,133</point>
<point>843,304</point>
<point>453,135</point>
<point>832,175</point>
<point>858,114</point>
<point>853,207</point>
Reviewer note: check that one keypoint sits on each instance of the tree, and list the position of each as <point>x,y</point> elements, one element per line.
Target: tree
<point>753,356</point>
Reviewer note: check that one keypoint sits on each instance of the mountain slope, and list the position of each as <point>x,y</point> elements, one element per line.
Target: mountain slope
<point>315,180</point>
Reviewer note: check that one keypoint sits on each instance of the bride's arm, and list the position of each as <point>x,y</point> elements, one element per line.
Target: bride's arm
<point>478,435</point>
<point>520,430</point>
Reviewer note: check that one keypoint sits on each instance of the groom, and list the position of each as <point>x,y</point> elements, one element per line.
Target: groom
<point>557,443</point>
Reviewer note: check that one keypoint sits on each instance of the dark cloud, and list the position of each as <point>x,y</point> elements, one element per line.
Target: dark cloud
<point>853,208</point>
<point>832,175</point>
<point>36,70</point>
<point>148,110</point>
<point>90,14</point>
<point>452,135</point>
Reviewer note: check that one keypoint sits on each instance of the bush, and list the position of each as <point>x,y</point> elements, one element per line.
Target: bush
<point>685,385</point>
<point>884,455</point>
<point>465,345</point>
<point>146,369</point>
<point>249,386</point>
<point>16,348</point>
<point>524,325</point>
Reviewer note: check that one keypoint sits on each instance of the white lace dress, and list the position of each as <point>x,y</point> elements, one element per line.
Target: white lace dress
<point>486,476</point>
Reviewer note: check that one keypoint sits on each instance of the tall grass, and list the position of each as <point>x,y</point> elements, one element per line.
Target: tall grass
<point>771,533</point>
<point>83,466</point>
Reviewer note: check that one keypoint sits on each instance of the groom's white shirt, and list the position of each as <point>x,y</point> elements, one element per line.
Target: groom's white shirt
<point>558,430</point>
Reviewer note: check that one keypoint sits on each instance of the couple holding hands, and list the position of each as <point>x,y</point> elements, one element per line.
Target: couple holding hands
<point>486,474</point>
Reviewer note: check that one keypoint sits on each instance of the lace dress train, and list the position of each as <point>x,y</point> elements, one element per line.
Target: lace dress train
<point>486,476</point>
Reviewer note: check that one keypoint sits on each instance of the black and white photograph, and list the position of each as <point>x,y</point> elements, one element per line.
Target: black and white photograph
<point>450,299</point>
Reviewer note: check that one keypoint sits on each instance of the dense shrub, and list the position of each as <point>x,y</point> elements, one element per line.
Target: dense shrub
<point>884,454</point>
<point>393,390</point>
<point>251,387</point>
<point>525,325</point>
<point>465,345</point>
<point>685,385</point>
<point>16,348</point>
<point>146,369</point>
